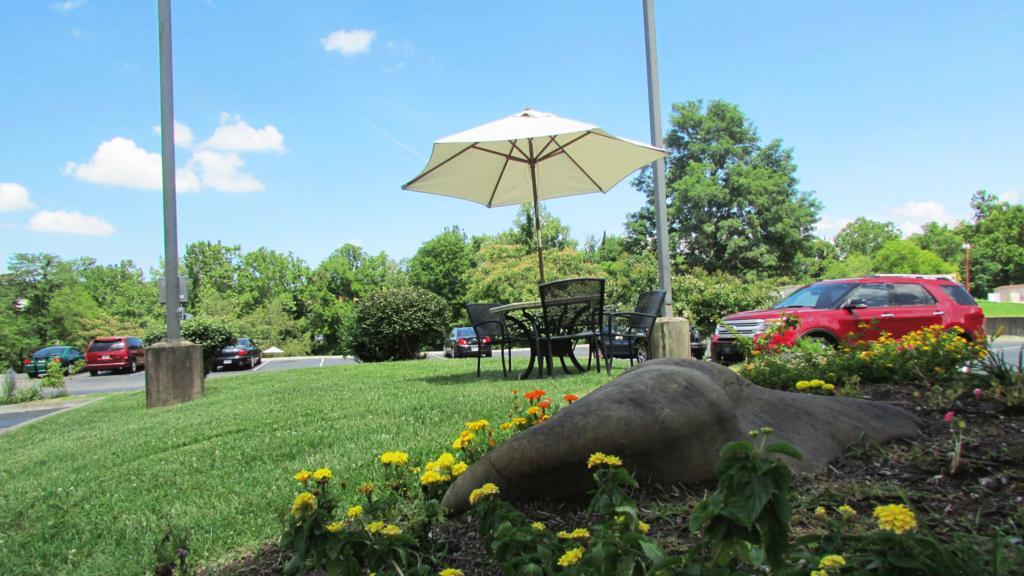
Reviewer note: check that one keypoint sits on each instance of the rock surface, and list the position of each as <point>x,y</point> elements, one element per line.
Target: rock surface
<point>667,420</point>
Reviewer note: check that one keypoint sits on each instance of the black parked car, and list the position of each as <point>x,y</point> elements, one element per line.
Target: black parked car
<point>619,346</point>
<point>462,342</point>
<point>242,353</point>
<point>40,360</point>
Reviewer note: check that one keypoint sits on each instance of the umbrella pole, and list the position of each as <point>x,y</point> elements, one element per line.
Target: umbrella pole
<point>536,215</point>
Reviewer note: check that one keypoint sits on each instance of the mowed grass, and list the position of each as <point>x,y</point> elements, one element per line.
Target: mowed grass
<point>89,491</point>
<point>1001,309</point>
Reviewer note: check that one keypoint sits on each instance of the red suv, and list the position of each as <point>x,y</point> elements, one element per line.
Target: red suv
<point>125,353</point>
<point>830,310</point>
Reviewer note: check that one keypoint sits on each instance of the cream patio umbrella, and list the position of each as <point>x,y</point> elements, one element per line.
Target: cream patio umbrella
<point>530,156</point>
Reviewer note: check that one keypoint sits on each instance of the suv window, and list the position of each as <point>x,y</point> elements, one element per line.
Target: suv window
<point>958,294</point>
<point>821,296</point>
<point>105,345</point>
<point>874,295</point>
<point>466,333</point>
<point>911,295</point>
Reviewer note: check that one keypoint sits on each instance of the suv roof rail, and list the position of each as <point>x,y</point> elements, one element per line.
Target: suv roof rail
<point>926,276</point>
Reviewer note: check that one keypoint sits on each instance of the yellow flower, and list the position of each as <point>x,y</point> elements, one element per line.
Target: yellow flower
<point>571,557</point>
<point>374,527</point>
<point>507,426</point>
<point>643,527</point>
<point>391,530</point>
<point>305,503</point>
<point>577,534</point>
<point>828,387</point>
<point>450,572</point>
<point>394,458</point>
<point>484,491</point>
<point>445,459</point>
<point>322,475</point>
<point>600,458</point>
<point>477,425</point>
<point>819,573</point>
<point>533,410</point>
<point>355,512</point>
<point>832,561</point>
<point>336,526</point>
<point>458,468</point>
<point>303,476</point>
<point>433,477</point>
<point>895,518</point>
<point>465,437</point>
<point>847,512</point>
<point>539,526</point>
<point>820,512</point>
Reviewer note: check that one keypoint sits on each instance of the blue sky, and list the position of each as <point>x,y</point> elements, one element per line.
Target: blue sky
<point>306,117</point>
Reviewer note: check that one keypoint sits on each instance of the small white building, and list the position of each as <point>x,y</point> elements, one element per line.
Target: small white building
<point>1009,293</point>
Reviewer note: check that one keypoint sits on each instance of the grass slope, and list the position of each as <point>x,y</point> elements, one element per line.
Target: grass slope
<point>90,491</point>
<point>1001,309</point>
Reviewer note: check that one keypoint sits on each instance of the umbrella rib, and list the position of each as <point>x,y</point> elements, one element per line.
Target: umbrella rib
<point>561,148</point>
<point>447,160</point>
<point>550,140</point>
<point>578,167</point>
<point>507,156</point>
<point>525,155</point>
<point>498,181</point>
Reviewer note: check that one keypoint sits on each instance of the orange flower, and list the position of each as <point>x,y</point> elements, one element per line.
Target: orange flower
<point>544,405</point>
<point>570,398</point>
<point>535,394</point>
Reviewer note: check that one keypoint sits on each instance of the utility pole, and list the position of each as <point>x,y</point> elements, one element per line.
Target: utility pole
<point>170,192</point>
<point>654,103</point>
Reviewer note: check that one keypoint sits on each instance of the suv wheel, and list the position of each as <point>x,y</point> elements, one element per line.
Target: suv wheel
<point>641,354</point>
<point>132,368</point>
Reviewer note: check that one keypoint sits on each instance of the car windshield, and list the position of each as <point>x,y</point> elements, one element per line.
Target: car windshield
<point>105,345</point>
<point>464,333</point>
<point>45,352</point>
<point>824,295</point>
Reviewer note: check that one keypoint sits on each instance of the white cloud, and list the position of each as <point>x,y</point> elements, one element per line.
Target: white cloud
<point>182,134</point>
<point>120,162</point>
<point>222,171</point>
<point>67,6</point>
<point>62,222</point>
<point>234,135</point>
<point>1010,196</point>
<point>13,197</point>
<point>829,226</point>
<point>349,42</point>
<point>915,214</point>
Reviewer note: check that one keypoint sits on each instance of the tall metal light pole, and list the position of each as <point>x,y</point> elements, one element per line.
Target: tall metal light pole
<point>967,281</point>
<point>654,103</point>
<point>167,153</point>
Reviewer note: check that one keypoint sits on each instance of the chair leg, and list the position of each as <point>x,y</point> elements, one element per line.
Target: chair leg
<point>632,351</point>
<point>501,349</point>
<point>551,359</point>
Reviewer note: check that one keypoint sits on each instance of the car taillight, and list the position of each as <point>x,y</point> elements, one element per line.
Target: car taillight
<point>487,339</point>
<point>462,342</point>
<point>28,361</point>
<point>242,353</point>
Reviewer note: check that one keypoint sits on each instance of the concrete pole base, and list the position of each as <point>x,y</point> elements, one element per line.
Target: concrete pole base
<point>670,338</point>
<point>174,373</point>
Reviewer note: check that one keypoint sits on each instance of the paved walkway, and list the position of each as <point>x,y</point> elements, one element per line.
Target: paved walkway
<point>17,415</point>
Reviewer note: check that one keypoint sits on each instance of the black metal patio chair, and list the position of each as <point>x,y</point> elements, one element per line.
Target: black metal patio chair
<point>571,312</point>
<point>638,326</point>
<point>492,326</point>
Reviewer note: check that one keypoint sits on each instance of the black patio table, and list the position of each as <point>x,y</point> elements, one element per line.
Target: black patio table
<point>529,325</point>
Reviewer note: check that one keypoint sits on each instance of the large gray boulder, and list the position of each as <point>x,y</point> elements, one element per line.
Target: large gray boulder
<point>667,419</point>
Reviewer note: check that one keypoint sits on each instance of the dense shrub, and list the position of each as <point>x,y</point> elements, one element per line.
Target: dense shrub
<point>704,298</point>
<point>394,323</point>
<point>210,333</point>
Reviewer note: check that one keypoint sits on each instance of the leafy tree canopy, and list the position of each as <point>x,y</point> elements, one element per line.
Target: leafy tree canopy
<point>997,239</point>
<point>865,237</point>
<point>733,201</point>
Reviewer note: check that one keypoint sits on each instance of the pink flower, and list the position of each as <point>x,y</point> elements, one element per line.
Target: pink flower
<point>948,417</point>
<point>977,392</point>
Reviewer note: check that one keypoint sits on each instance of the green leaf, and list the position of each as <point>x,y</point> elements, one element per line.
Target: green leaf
<point>783,448</point>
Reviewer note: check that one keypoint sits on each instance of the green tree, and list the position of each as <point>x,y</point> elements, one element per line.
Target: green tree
<point>504,273</point>
<point>440,266</point>
<point>211,268</point>
<point>733,201</point>
<point>863,236</point>
<point>395,323</point>
<point>997,239</point>
<point>906,257</point>
<point>264,275</point>
<point>554,234</point>
<point>942,239</point>
<point>122,291</point>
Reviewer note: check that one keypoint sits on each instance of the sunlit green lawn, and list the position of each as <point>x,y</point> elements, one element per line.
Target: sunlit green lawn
<point>90,490</point>
<point>1001,309</point>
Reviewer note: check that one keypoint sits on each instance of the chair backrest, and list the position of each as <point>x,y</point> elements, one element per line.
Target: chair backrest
<point>647,303</point>
<point>572,306</point>
<point>485,322</point>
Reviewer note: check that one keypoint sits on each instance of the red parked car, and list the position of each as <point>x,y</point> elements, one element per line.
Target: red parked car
<point>832,309</point>
<point>123,353</point>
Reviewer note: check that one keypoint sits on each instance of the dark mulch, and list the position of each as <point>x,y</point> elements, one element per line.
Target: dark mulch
<point>984,497</point>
